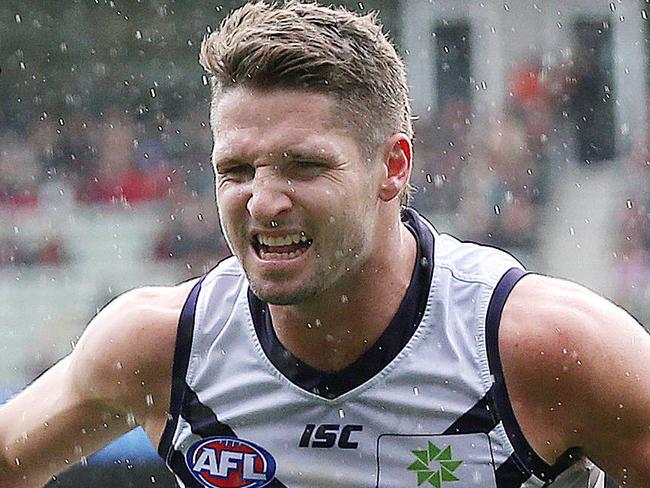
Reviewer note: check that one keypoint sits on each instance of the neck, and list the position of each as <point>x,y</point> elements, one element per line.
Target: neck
<point>337,327</point>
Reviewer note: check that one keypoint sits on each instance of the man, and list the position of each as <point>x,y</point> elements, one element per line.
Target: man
<point>346,343</point>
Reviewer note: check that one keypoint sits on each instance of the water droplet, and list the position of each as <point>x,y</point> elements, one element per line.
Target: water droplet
<point>149,400</point>
<point>416,391</point>
<point>497,210</point>
<point>138,34</point>
<point>152,92</point>
<point>84,461</point>
<point>204,79</point>
<point>274,223</point>
<point>506,7</point>
<point>344,299</point>
<point>612,6</point>
<point>19,19</point>
<point>130,420</point>
<point>628,203</point>
<point>644,14</point>
<point>341,413</point>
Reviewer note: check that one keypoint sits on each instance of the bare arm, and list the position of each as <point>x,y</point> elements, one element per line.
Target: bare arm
<point>117,377</point>
<point>577,368</point>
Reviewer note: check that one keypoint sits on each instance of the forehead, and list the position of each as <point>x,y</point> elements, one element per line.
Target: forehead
<point>249,121</point>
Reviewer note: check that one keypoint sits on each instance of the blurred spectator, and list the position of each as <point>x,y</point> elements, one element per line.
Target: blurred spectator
<point>192,240</point>
<point>122,174</point>
<point>500,191</point>
<point>441,152</point>
<point>50,252</point>
<point>633,265</point>
<point>20,173</point>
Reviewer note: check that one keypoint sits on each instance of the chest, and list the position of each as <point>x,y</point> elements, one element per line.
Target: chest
<point>419,421</point>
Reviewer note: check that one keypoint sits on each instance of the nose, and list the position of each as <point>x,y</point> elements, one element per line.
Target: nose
<point>268,199</point>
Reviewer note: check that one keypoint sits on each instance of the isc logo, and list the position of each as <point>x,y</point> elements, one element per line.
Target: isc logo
<point>328,435</point>
<point>228,462</point>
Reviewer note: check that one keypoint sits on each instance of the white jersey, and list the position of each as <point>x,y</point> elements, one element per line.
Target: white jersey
<point>425,406</point>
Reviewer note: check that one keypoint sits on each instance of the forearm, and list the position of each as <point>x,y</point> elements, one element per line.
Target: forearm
<point>49,427</point>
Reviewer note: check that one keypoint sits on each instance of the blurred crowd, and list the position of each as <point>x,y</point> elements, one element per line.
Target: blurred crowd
<point>633,236</point>
<point>111,160</point>
<point>493,175</point>
<point>490,177</point>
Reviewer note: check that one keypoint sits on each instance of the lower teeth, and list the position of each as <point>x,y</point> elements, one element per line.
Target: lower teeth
<point>280,255</point>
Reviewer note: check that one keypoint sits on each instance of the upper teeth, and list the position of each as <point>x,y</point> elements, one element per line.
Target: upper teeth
<point>281,241</point>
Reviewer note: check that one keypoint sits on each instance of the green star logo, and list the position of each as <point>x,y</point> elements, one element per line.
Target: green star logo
<point>431,458</point>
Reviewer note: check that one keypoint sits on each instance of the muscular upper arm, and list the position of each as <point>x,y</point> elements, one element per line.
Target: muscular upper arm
<point>577,368</point>
<point>116,378</point>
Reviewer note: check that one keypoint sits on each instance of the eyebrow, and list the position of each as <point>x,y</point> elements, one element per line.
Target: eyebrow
<point>287,155</point>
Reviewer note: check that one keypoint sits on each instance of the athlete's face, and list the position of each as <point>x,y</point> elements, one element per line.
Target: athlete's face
<point>298,202</point>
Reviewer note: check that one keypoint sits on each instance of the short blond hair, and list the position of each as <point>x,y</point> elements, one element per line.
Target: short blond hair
<point>299,45</point>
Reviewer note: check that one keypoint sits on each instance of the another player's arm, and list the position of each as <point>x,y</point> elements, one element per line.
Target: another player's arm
<point>117,376</point>
<point>577,368</point>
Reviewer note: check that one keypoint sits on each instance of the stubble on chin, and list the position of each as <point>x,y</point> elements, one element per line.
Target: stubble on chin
<point>276,297</point>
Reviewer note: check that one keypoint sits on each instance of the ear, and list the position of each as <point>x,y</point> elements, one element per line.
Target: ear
<point>398,161</point>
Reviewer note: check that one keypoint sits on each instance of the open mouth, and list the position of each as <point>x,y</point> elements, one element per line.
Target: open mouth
<point>281,247</point>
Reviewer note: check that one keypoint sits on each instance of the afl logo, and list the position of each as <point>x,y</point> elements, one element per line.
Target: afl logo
<point>228,462</point>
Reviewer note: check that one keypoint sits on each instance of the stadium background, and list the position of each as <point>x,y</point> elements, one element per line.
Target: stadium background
<point>531,134</point>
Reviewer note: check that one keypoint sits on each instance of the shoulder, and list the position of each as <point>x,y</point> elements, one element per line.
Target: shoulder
<point>574,364</point>
<point>127,350</point>
<point>472,261</point>
<point>553,312</point>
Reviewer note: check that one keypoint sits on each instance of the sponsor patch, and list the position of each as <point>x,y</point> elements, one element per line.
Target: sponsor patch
<point>228,462</point>
<point>435,461</point>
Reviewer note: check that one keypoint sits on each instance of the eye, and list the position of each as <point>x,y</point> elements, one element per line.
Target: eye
<point>308,169</point>
<point>239,172</point>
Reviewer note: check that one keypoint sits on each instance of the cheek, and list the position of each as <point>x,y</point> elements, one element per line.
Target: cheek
<point>230,200</point>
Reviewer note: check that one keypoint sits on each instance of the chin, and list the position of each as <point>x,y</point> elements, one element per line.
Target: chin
<point>273,295</point>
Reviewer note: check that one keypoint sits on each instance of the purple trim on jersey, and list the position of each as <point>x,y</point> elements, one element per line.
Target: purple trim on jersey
<point>524,454</point>
<point>185,402</point>
<point>510,474</point>
<point>478,419</point>
<point>388,346</point>
<point>184,336</point>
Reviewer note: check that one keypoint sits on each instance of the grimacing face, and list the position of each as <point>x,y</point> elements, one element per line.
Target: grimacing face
<point>297,200</point>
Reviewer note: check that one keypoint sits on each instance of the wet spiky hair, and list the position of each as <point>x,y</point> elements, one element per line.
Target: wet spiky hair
<point>300,45</point>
